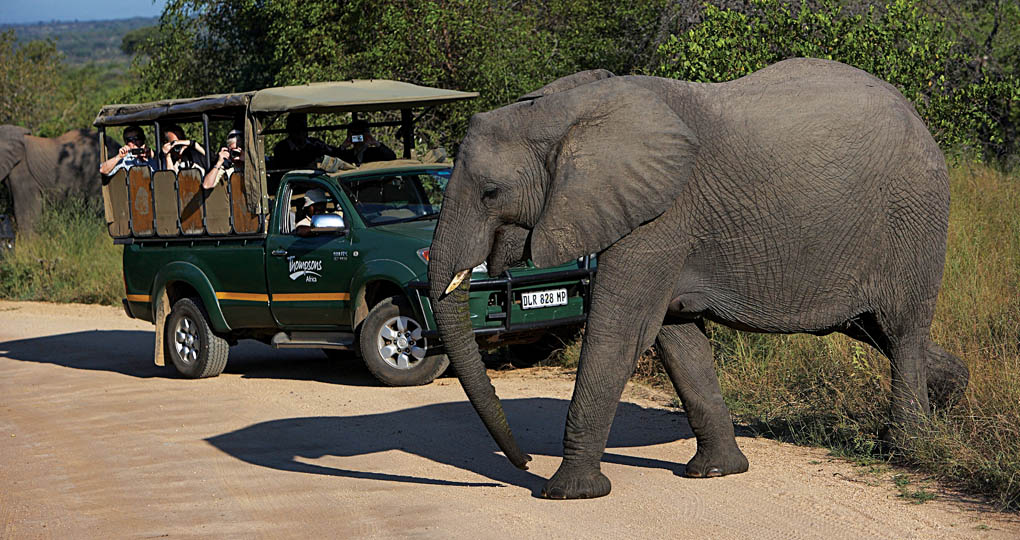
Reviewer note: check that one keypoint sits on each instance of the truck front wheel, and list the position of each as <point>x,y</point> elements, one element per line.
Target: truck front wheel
<point>394,349</point>
<point>192,346</point>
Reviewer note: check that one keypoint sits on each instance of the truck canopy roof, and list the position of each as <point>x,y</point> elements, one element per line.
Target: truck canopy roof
<point>342,96</point>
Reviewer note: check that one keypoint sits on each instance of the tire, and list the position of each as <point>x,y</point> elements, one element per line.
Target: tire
<point>393,349</point>
<point>192,346</point>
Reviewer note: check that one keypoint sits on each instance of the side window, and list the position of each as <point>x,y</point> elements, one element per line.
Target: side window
<point>305,200</point>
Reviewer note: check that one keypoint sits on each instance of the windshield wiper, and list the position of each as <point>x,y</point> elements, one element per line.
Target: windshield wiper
<point>420,218</point>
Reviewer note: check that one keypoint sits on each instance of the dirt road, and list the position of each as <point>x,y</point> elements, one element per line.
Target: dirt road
<point>97,442</point>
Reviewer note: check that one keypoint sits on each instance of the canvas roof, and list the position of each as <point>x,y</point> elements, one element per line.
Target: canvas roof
<point>341,96</point>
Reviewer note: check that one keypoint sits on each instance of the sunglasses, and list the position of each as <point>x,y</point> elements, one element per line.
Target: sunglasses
<point>136,140</point>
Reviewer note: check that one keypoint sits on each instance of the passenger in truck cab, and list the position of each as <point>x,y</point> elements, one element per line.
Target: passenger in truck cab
<point>314,204</point>
<point>134,153</point>
<point>230,159</point>
<point>180,152</point>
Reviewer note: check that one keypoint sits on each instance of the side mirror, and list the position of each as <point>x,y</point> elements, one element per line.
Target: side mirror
<point>328,223</point>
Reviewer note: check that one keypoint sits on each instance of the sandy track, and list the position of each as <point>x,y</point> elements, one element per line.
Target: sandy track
<point>96,442</point>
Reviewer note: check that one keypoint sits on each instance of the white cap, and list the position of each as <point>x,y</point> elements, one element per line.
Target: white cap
<point>314,195</point>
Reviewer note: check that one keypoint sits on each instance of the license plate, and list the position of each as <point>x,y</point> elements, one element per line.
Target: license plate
<point>541,299</point>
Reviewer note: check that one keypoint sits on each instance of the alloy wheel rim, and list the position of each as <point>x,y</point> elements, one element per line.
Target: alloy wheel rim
<point>400,342</point>
<point>187,343</point>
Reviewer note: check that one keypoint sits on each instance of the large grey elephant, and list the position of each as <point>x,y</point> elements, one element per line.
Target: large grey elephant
<point>805,197</point>
<point>39,168</point>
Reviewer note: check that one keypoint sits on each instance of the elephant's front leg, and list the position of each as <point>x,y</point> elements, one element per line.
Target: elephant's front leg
<point>629,300</point>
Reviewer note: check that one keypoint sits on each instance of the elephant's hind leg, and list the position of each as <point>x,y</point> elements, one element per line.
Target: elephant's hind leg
<point>947,376</point>
<point>687,354</point>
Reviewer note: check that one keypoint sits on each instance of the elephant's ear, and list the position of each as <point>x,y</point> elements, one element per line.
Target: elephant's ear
<point>12,148</point>
<point>566,83</point>
<point>624,161</point>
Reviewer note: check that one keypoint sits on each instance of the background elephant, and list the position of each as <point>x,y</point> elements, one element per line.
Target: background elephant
<point>805,197</point>
<point>39,168</point>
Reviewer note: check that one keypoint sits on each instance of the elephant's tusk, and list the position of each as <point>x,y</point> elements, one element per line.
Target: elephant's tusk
<point>457,280</point>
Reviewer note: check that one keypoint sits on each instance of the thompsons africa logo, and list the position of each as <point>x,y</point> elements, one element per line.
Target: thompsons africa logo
<point>309,269</point>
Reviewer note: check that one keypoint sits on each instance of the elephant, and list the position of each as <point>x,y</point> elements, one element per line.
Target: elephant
<point>806,197</point>
<point>40,168</point>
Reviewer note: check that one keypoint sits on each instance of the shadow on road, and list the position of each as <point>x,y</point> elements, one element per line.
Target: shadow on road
<point>121,351</point>
<point>447,433</point>
<point>129,352</point>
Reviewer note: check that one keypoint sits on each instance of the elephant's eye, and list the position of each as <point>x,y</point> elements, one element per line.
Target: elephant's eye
<point>490,193</point>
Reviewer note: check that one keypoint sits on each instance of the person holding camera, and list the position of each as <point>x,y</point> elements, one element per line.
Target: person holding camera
<point>361,147</point>
<point>134,153</point>
<point>230,159</point>
<point>180,152</point>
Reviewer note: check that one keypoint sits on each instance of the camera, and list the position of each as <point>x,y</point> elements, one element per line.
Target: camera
<point>176,150</point>
<point>232,160</point>
<point>139,152</point>
<point>357,138</point>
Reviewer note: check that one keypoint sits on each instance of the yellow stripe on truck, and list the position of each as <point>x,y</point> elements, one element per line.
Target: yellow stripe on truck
<point>311,297</point>
<point>293,297</point>
<point>138,298</point>
<point>247,297</point>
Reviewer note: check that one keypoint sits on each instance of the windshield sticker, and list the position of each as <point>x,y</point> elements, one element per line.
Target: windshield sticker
<point>309,269</point>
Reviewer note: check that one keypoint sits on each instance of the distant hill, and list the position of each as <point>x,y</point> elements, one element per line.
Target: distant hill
<point>83,42</point>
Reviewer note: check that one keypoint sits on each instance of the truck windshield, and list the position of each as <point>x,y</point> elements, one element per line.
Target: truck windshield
<point>393,198</point>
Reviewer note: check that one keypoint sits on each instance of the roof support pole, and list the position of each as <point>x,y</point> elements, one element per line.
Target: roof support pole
<point>205,141</point>
<point>160,158</point>
<point>407,130</point>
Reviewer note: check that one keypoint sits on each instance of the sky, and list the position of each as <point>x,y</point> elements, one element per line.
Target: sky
<point>30,11</point>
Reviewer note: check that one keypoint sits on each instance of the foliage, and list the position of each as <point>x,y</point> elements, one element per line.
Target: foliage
<point>69,258</point>
<point>134,40</point>
<point>40,92</point>
<point>902,44</point>
<point>28,74</point>
<point>501,49</point>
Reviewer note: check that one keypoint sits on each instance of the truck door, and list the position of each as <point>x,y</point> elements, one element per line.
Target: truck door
<point>309,277</point>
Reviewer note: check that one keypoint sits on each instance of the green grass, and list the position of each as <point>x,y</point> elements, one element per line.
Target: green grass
<point>833,392</point>
<point>69,258</point>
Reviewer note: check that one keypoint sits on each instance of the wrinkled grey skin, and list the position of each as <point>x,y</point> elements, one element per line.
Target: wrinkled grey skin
<point>39,168</point>
<point>805,197</point>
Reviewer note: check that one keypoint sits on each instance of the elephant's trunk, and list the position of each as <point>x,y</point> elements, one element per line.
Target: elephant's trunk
<point>453,319</point>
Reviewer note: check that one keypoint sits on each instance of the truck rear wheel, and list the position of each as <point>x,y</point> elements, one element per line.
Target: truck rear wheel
<point>192,346</point>
<point>393,347</point>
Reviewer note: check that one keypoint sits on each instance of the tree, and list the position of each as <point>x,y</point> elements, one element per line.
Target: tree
<point>28,77</point>
<point>904,44</point>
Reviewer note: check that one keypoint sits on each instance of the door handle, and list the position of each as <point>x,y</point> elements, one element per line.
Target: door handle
<point>278,252</point>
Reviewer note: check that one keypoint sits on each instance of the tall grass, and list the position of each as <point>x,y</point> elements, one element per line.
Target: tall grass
<point>69,258</point>
<point>834,392</point>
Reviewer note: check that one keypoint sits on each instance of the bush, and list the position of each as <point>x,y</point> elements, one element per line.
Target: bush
<point>69,258</point>
<point>902,44</point>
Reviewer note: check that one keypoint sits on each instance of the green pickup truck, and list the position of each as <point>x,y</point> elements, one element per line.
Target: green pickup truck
<point>332,255</point>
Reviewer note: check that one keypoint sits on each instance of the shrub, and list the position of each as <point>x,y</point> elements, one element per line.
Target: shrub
<point>902,44</point>
<point>69,258</point>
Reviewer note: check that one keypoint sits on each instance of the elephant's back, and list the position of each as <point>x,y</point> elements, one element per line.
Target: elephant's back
<point>827,180</point>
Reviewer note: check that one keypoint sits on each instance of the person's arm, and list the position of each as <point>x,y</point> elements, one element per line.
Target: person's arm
<point>107,166</point>
<point>213,176</point>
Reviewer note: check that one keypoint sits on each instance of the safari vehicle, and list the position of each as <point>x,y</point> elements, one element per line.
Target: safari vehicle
<point>212,266</point>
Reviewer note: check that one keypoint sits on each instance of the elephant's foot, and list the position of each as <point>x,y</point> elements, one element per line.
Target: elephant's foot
<point>575,482</point>
<point>710,464</point>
